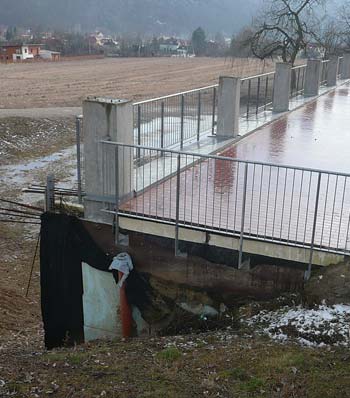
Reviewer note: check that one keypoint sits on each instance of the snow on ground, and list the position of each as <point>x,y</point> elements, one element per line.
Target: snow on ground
<point>319,326</point>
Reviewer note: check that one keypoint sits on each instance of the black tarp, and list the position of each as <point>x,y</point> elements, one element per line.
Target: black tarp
<point>65,244</point>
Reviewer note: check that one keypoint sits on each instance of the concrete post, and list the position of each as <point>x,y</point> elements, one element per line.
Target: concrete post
<point>108,120</point>
<point>281,88</point>
<point>345,70</point>
<point>228,106</point>
<point>313,77</point>
<point>332,71</point>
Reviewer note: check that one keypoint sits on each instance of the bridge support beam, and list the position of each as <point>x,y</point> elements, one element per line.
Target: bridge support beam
<point>108,120</point>
<point>282,83</point>
<point>313,77</point>
<point>332,71</point>
<point>228,106</point>
<point>345,70</point>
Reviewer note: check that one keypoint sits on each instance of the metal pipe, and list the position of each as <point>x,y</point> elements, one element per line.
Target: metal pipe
<point>177,205</point>
<point>78,140</point>
<point>182,121</point>
<point>199,115</point>
<point>308,273</point>
<point>116,220</point>
<point>213,112</point>
<point>243,216</point>
<point>200,156</point>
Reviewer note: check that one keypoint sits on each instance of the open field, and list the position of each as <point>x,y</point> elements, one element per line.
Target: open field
<point>67,83</point>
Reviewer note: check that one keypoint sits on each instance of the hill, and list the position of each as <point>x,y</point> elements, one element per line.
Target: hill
<point>140,16</point>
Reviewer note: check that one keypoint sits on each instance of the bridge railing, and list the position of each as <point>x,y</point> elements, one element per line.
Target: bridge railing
<point>288,205</point>
<point>297,80</point>
<point>256,94</point>
<point>324,72</point>
<point>166,121</point>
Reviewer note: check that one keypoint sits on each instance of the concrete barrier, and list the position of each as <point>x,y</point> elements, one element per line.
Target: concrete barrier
<point>345,70</point>
<point>313,77</point>
<point>228,106</point>
<point>282,83</point>
<point>109,120</point>
<point>332,71</point>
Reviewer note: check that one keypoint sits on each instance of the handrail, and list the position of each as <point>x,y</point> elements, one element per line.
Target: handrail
<point>176,94</point>
<point>216,157</point>
<point>257,76</point>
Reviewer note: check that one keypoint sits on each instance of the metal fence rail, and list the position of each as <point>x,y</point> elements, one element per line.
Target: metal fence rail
<point>173,119</point>
<point>256,94</point>
<point>297,82</point>
<point>324,72</point>
<point>340,66</point>
<point>274,203</point>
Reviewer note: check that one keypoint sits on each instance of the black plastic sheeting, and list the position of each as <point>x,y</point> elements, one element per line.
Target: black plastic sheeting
<point>65,244</point>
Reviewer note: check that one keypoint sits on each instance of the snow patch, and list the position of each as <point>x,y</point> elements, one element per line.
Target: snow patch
<point>318,326</point>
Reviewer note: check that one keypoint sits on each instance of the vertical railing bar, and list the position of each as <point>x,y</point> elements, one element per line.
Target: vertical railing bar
<point>276,194</point>
<point>252,200</point>
<point>341,211</point>
<point>334,200</point>
<point>162,128</point>
<point>308,273</point>
<point>283,201</point>
<point>177,205</point>
<point>199,115</point>
<point>78,139</point>
<point>138,130</point>
<point>300,195</point>
<point>213,112</point>
<point>266,92</point>
<point>116,226</point>
<point>307,207</point>
<point>258,97</point>
<point>182,121</point>
<point>248,100</point>
<point>243,216</point>
<point>325,209</point>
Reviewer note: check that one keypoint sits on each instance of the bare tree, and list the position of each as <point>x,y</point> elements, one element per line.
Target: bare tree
<point>330,37</point>
<point>284,28</point>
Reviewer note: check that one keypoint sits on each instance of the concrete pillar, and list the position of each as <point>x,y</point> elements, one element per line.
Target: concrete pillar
<point>345,70</point>
<point>108,120</point>
<point>228,106</point>
<point>332,71</point>
<point>281,88</point>
<point>312,77</point>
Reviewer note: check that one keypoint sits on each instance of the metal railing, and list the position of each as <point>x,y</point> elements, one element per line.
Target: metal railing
<point>173,119</point>
<point>289,205</point>
<point>324,72</point>
<point>340,67</point>
<point>256,94</point>
<point>79,139</point>
<point>297,82</point>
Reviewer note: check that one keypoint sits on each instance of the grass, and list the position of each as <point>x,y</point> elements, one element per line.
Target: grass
<point>244,367</point>
<point>170,354</point>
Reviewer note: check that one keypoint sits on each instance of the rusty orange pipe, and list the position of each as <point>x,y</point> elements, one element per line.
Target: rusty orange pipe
<point>125,310</point>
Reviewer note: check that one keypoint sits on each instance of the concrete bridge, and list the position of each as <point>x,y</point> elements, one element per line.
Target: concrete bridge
<point>256,167</point>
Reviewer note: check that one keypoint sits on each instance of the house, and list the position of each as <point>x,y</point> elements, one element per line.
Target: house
<point>169,46</point>
<point>19,52</point>
<point>50,55</point>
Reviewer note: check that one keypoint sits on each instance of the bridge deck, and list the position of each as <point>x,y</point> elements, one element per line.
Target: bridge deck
<point>280,202</point>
